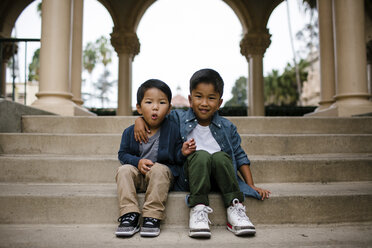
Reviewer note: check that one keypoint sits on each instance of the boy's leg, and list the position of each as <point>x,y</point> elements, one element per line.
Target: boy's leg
<point>224,174</point>
<point>198,171</point>
<point>128,179</point>
<point>158,181</point>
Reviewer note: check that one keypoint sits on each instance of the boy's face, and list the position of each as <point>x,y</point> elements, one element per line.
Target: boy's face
<point>154,107</point>
<point>205,101</point>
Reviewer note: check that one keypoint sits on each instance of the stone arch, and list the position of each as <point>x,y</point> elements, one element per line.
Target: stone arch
<point>9,14</point>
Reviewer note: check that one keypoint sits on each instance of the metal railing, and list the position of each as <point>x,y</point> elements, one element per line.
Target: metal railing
<point>14,41</point>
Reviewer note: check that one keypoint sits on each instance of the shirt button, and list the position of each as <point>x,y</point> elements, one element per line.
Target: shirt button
<point>195,120</point>
<point>190,125</point>
<point>187,120</point>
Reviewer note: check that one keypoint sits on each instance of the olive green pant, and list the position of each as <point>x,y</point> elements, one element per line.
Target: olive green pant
<point>207,172</point>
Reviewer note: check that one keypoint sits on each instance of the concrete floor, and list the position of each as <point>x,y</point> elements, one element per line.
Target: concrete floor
<point>332,235</point>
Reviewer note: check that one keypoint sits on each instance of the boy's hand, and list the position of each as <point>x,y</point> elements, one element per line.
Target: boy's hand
<point>144,166</point>
<point>188,147</point>
<point>141,130</point>
<point>264,193</point>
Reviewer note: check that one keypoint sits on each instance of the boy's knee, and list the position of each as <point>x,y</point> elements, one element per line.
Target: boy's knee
<point>159,170</point>
<point>200,155</point>
<point>126,170</point>
<point>220,156</point>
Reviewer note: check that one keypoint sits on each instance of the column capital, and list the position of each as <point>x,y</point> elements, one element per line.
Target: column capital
<point>125,41</point>
<point>255,43</point>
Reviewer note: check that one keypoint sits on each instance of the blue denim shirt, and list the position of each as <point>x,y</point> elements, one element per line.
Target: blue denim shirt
<point>225,134</point>
<point>169,151</point>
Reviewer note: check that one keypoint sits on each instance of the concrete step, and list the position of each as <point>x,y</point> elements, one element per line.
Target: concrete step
<point>267,236</point>
<point>245,125</point>
<point>265,169</point>
<point>97,204</point>
<point>258,144</point>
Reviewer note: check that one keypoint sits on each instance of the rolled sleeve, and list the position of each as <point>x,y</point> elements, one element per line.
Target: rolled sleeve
<point>240,155</point>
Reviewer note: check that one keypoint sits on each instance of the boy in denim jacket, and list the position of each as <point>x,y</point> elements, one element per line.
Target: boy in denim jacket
<point>214,156</point>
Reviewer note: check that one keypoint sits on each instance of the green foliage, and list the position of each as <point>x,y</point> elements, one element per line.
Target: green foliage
<point>239,92</point>
<point>34,67</point>
<point>282,89</point>
<point>90,57</point>
<point>95,53</point>
<point>104,50</point>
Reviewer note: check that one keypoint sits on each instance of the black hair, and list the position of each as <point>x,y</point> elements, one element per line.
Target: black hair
<point>207,76</point>
<point>153,83</point>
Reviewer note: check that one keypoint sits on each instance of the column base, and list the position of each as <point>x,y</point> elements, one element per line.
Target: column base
<point>345,109</point>
<point>78,101</point>
<point>62,107</point>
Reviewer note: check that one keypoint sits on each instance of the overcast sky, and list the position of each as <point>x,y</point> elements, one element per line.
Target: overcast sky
<point>177,38</point>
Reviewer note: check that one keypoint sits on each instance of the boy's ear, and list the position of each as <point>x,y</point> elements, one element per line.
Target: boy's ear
<point>190,100</point>
<point>170,108</point>
<point>139,110</point>
<point>220,103</point>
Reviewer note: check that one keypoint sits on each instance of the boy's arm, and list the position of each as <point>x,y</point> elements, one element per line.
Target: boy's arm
<point>243,162</point>
<point>124,154</point>
<point>245,170</point>
<point>141,130</point>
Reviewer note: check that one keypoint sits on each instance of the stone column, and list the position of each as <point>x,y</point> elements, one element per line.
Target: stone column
<point>350,48</point>
<point>76,51</point>
<point>253,47</point>
<point>7,52</point>
<point>326,55</point>
<point>54,91</point>
<point>127,46</point>
<point>369,68</point>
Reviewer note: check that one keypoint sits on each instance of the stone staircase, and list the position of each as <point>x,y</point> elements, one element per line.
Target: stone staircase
<point>57,185</point>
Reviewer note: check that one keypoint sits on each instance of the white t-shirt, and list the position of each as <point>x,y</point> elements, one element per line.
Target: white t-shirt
<point>204,139</point>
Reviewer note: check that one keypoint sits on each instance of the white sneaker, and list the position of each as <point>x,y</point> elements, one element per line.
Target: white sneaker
<point>199,222</point>
<point>237,221</point>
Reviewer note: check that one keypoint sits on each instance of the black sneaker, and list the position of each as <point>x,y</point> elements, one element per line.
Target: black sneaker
<point>150,227</point>
<point>129,225</point>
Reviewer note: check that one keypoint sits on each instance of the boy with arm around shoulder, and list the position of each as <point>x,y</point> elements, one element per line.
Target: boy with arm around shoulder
<point>214,155</point>
<point>152,167</point>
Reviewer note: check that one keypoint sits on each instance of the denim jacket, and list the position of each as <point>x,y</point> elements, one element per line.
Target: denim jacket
<point>169,151</point>
<point>225,134</point>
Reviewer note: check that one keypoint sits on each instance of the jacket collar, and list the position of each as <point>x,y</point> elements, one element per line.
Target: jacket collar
<point>216,120</point>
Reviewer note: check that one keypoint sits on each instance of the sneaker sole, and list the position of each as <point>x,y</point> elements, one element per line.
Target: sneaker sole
<point>242,232</point>
<point>127,234</point>
<point>200,234</point>
<point>149,234</point>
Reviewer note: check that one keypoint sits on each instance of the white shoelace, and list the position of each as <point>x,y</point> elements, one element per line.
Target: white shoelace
<point>239,209</point>
<point>202,214</point>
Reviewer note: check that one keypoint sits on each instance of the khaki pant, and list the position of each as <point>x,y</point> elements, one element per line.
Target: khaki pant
<point>156,183</point>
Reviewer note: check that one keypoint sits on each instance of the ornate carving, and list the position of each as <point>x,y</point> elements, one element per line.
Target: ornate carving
<point>125,42</point>
<point>255,43</point>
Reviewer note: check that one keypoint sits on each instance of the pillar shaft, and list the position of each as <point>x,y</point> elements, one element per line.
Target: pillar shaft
<point>351,70</point>
<point>256,86</point>
<point>77,50</point>
<point>253,47</point>
<point>55,47</point>
<point>125,85</point>
<point>350,48</point>
<point>326,54</point>
<point>127,46</point>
